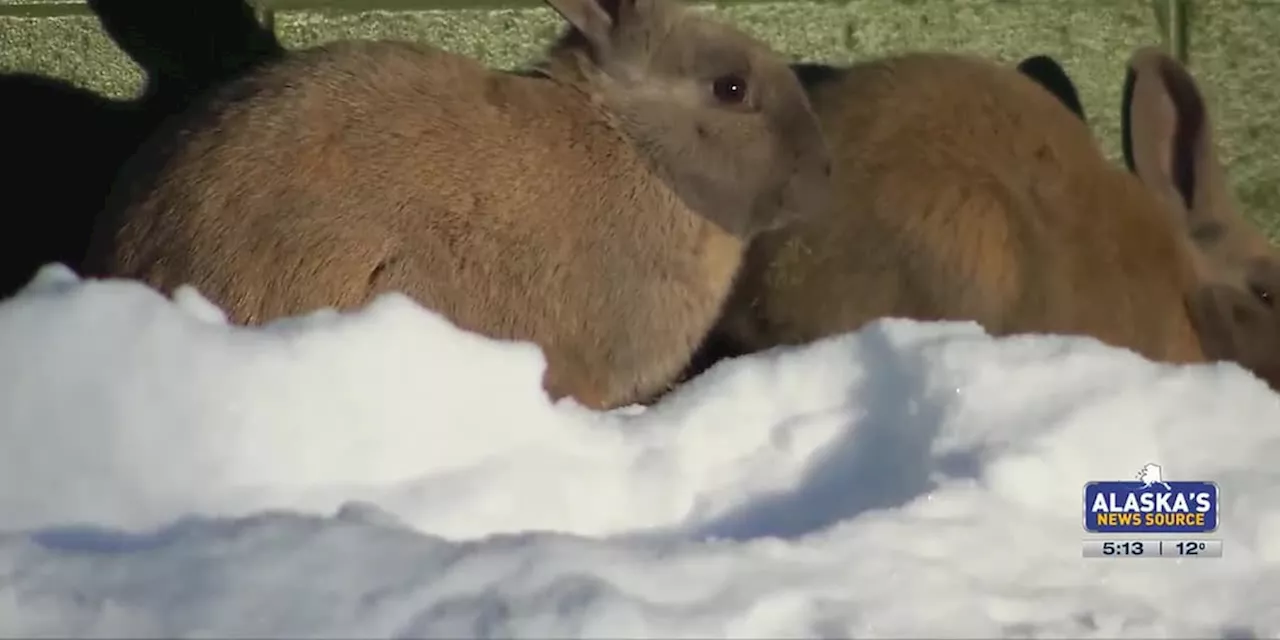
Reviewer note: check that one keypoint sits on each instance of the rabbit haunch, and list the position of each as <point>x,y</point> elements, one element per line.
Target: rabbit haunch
<point>966,191</point>
<point>598,209</point>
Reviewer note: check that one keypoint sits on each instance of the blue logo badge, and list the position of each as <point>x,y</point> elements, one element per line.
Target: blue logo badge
<point>1150,505</point>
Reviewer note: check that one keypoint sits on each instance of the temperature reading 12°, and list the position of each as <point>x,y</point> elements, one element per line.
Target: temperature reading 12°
<point>1191,548</point>
<point>1149,548</point>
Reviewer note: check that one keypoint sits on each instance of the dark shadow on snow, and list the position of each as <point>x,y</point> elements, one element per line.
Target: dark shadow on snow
<point>884,463</point>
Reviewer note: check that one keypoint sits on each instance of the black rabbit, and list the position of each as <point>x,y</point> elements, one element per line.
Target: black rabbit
<point>1049,74</point>
<point>65,143</point>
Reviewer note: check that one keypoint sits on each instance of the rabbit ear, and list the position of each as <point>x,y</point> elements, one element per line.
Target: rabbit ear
<point>1168,138</point>
<point>594,19</point>
<point>1049,74</point>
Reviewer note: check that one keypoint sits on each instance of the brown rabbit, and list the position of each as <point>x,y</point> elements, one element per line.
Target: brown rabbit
<point>598,207</point>
<point>1168,143</point>
<point>966,191</point>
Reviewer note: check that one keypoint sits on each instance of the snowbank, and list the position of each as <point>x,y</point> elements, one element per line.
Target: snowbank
<point>383,474</point>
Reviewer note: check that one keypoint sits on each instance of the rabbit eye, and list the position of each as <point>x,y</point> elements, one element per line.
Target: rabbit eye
<point>1263,295</point>
<point>730,89</point>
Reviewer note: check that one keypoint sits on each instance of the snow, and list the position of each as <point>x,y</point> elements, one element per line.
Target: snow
<point>381,473</point>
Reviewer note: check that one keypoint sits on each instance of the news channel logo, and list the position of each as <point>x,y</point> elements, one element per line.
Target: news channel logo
<point>1150,504</point>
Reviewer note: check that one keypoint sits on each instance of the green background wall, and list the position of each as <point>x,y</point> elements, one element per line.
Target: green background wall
<point>1233,46</point>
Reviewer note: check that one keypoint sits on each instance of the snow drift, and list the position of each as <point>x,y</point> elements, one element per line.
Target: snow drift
<point>384,474</point>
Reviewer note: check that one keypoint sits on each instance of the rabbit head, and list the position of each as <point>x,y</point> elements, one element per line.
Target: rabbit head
<point>719,114</point>
<point>1168,144</point>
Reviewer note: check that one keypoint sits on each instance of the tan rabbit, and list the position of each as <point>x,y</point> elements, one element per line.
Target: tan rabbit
<point>597,207</point>
<point>967,191</point>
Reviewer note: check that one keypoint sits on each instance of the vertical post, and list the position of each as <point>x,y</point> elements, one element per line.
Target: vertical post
<point>1171,19</point>
<point>1179,30</point>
